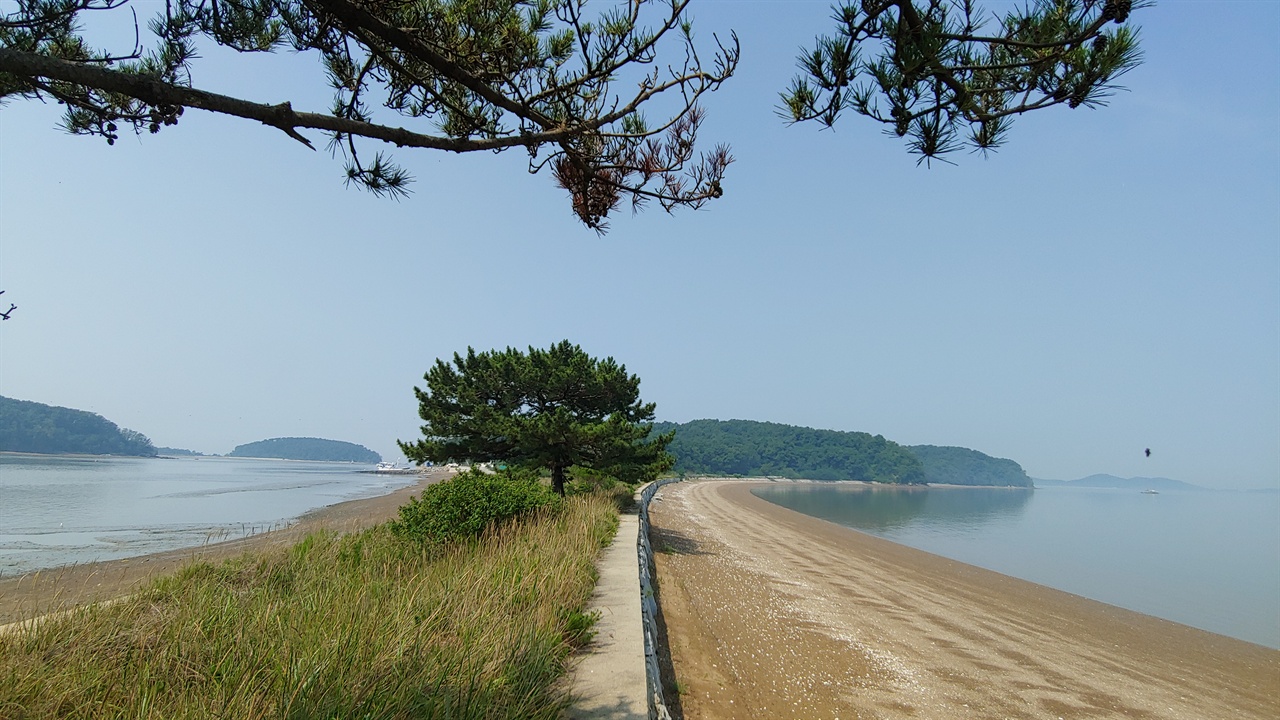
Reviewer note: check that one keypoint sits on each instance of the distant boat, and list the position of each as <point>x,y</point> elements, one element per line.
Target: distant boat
<point>1150,492</point>
<point>386,467</point>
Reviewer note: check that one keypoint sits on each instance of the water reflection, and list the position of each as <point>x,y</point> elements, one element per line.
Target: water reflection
<point>882,508</point>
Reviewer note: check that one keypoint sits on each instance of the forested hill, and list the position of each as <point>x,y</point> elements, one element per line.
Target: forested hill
<point>33,427</point>
<point>746,447</point>
<point>962,466</point>
<point>290,448</point>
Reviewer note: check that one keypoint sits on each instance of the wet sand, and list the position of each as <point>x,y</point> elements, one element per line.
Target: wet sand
<point>773,614</point>
<point>46,591</point>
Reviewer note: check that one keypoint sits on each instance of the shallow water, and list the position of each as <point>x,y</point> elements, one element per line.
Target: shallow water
<point>1206,559</point>
<point>63,510</point>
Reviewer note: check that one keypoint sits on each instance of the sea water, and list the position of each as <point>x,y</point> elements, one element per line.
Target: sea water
<point>64,510</point>
<point>1207,559</point>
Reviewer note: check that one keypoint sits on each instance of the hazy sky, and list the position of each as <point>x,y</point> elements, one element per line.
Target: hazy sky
<point>1108,282</point>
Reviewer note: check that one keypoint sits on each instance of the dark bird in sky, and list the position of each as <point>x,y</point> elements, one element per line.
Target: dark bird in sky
<point>1148,452</point>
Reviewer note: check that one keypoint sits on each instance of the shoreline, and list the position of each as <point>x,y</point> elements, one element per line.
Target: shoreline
<point>771,613</point>
<point>1111,550</point>
<point>30,595</point>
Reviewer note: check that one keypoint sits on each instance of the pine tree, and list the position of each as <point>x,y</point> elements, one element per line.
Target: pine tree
<point>554,409</point>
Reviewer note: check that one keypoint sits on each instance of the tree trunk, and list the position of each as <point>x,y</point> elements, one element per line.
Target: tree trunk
<point>557,479</point>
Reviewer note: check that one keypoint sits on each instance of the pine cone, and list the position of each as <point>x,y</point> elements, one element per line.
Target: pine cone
<point>1117,10</point>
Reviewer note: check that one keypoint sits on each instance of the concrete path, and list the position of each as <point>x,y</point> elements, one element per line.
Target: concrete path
<point>608,680</point>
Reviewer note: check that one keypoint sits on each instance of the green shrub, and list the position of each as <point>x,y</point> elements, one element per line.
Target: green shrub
<point>471,501</point>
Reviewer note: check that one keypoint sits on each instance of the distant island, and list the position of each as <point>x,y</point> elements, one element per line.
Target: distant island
<point>750,448</point>
<point>179,452</point>
<point>32,427</point>
<point>711,447</point>
<point>962,466</point>
<point>1119,483</point>
<point>292,448</point>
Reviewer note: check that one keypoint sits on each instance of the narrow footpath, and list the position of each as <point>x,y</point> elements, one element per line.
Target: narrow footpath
<point>608,679</point>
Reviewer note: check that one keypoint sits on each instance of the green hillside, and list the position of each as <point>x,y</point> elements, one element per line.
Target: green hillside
<point>746,447</point>
<point>291,448</point>
<point>33,427</point>
<point>962,466</point>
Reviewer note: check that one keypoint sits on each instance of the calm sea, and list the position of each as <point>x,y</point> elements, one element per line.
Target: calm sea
<point>59,510</point>
<point>1206,559</point>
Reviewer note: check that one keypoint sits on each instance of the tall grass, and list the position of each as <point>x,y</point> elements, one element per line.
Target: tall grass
<point>358,626</point>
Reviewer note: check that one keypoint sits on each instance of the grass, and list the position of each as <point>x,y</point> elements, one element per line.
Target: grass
<point>366,625</point>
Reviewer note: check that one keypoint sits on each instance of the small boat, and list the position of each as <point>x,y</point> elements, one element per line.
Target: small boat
<point>386,467</point>
<point>1150,492</point>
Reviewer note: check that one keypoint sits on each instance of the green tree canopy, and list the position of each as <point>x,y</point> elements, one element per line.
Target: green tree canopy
<point>946,73</point>
<point>555,409</point>
<point>962,466</point>
<point>34,427</point>
<point>747,447</point>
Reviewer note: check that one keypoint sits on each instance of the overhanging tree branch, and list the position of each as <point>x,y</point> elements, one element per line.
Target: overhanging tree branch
<point>482,76</point>
<point>281,116</point>
<point>933,70</point>
<point>355,17</point>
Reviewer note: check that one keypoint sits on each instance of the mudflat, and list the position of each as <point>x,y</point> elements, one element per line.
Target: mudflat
<point>773,614</point>
<point>38,593</point>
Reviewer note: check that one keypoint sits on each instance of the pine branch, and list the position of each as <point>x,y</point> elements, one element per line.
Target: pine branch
<point>936,70</point>
<point>489,76</point>
<point>281,116</point>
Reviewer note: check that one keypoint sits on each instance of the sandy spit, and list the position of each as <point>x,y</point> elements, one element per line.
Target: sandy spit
<point>773,614</point>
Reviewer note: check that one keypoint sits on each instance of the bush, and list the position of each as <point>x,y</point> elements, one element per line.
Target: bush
<point>471,501</point>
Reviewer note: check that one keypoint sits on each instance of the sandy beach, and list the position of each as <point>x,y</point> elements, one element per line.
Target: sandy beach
<point>773,614</point>
<point>38,593</point>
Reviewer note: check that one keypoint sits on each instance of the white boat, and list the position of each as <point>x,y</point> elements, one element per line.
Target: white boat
<point>386,467</point>
<point>1150,492</point>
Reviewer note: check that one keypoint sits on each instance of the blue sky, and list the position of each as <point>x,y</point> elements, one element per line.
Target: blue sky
<point>1108,282</point>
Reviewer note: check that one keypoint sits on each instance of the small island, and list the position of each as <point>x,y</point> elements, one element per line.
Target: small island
<point>178,452</point>
<point>294,448</point>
